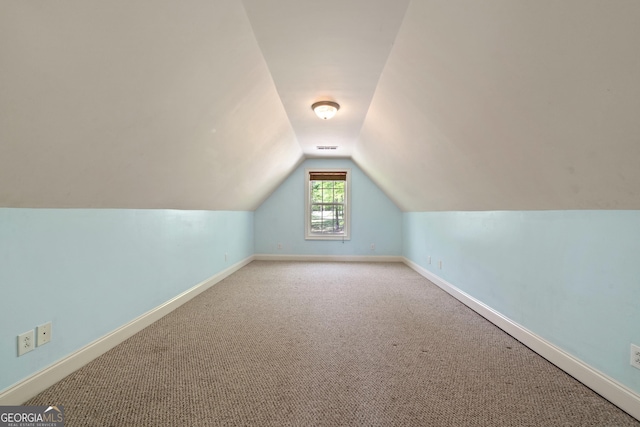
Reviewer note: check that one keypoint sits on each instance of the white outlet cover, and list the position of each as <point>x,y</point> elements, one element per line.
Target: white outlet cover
<point>635,356</point>
<point>26,342</point>
<point>44,334</point>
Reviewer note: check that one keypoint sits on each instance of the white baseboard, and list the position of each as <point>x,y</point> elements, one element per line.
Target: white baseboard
<point>29,387</point>
<point>607,387</point>
<point>329,258</point>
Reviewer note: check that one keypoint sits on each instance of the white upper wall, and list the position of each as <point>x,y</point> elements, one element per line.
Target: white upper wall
<point>509,105</point>
<point>205,104</point>
<point>145,104</point>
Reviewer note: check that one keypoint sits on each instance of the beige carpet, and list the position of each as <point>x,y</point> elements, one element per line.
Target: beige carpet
<point>305,344</point>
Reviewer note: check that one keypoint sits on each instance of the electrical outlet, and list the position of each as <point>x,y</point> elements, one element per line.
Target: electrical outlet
<point>373,246</point>
<point>429,259</point>
<point>226,256</point>
<point>26,342</point>
<point>440,265</point>
<point>635,356</point>
<point>43,334</point>
<point>279,246</point>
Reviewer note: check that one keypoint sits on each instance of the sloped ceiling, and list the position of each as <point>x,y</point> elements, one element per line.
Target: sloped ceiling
<point>330,50</point>
<point>509,105</point>
<point>446,105</point>
<point>138,104</point>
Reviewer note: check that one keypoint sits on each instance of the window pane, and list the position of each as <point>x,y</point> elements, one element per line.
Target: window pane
<point>316,191</point>
<point>327,191</point>
<point>338,192</point>
<point>327,218</point>
<point>327,195</point>
<point>316,218</point>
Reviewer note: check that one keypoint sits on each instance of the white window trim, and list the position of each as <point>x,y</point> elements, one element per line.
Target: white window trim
<point>308,235</point>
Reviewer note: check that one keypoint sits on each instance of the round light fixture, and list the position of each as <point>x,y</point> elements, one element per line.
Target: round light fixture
<point>325,109</point>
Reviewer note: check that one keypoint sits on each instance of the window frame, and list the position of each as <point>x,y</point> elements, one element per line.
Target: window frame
<point>346,233</point>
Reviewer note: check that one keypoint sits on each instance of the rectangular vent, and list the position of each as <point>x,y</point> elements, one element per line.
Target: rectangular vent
<point>327,147</point>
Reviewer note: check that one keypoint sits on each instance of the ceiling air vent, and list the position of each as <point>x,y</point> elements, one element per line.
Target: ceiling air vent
<point>327,147</point>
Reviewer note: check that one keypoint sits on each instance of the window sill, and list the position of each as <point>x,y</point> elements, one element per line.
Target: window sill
<point>326,237</point>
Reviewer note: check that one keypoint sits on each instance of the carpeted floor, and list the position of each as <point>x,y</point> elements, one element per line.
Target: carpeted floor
<point>305,344</point>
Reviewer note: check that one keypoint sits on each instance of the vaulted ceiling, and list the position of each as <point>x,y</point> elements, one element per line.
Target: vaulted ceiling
<point>205,104</point>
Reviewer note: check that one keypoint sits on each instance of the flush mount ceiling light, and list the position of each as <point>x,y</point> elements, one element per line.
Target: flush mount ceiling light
<point>325,109</point>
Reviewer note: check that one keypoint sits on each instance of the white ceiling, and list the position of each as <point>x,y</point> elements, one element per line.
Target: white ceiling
<point>500,105</point>
<point>330,50</point>
<point>205,104</point>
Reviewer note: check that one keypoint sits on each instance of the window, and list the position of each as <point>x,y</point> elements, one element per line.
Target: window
<point>327,204</point>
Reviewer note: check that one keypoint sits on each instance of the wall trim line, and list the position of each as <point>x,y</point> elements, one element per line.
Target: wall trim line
<point>43,379</point>
<point>607,387</point>
<point>329,258</point>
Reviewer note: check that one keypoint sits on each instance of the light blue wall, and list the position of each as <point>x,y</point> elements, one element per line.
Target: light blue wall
<point>91,271</point>
<point>374,218</point>
<point>572,277</point>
